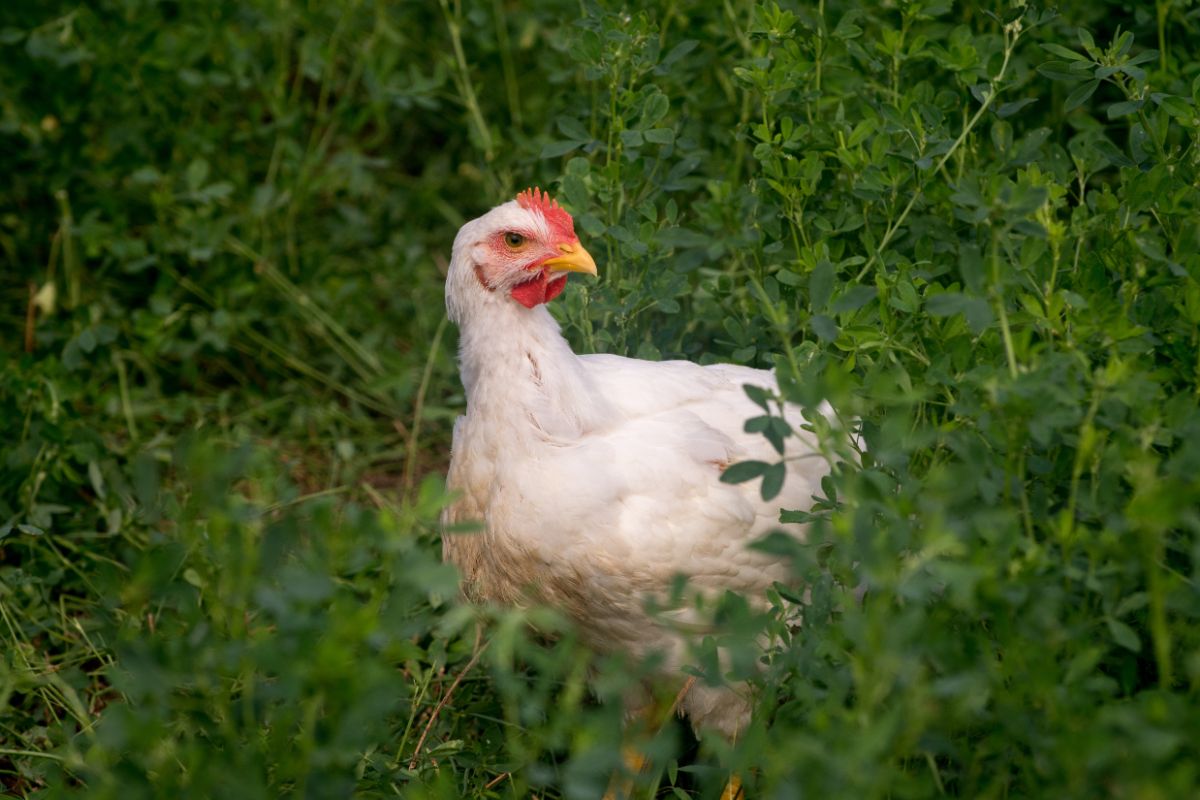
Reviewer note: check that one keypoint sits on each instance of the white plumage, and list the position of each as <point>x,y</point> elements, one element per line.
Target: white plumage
<point>597,477</point>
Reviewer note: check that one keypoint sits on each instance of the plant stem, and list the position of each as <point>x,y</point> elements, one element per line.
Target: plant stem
<point>4,751</point>
<point>1010,43</point>
<point>414,437</point>
<point>1161,8</point>
<point>464,83</point>
<point>506,63</point>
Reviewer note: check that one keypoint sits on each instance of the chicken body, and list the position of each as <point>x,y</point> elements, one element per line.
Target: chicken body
<point>597,477</point>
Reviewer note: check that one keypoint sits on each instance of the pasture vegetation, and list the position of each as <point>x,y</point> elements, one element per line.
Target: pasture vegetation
<point>227,386</point>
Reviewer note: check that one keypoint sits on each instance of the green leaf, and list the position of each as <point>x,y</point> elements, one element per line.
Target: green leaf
<point>846,27</point>
<point>744,471</point>
<point>824,327</point>
<point>976,310</point>
<point>972,269</point>
<point>676,53</point>
<point>573,129</point>
<point>1008,109</point>
<point>1123,43</point>
<point>1107,150</point>
<point>660,135</point>
<point>1080,95</point>
<point>820,285</point>
<point>788,516</point>
<point>760,396</point>
<point>757,424</point>
<point>87,340</point>
<point>1123,108</point>
<point>1059,50</point>
<point>681,237</point>
<point>575,191</point>
<point>1085,39</point>
<point>1082,664</point>
<point>1058,71</point>
<point>772,482</point>
<point>861,131</point>
<point>560,148</point>
<point>743,355</point>
<point>1133,602</point>
<point>788,278</point>
<point>1124,635</point>
<point>1177,107</point>
<point>655,109</point>
<point>777,431</point>
<point>197,173</point>
<point>982,91</point>
<point>854,298</point>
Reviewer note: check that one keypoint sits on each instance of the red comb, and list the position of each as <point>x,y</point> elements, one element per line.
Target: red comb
<point>556,216</point>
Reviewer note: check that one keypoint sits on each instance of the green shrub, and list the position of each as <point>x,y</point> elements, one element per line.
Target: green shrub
<point>228,385</point>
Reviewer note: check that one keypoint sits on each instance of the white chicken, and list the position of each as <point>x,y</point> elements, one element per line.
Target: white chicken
<point>598,478</point>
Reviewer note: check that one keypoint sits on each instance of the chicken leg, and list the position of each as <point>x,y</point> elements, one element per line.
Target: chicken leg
<point>636,761</point>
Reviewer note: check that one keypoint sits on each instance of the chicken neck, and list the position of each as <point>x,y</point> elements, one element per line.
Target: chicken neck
<point>519,371</point>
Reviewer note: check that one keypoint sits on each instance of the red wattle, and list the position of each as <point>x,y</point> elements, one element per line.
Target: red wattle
<point>554,288</point>
<point>539,290</point>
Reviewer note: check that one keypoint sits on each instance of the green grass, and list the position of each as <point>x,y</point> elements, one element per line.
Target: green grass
<point>227,386</point>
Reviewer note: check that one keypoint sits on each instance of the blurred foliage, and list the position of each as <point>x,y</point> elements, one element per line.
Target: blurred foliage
<point>227,386</point>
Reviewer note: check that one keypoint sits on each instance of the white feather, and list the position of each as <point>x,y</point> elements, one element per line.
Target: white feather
<point>597,477</point>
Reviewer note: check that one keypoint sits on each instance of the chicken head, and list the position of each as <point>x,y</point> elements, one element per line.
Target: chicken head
<point>524,248</point>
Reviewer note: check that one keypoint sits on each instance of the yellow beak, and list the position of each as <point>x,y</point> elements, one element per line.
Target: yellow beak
<point>574,258</point>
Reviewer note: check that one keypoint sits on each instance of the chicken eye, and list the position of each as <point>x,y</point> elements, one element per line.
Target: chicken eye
<point>514,239</point>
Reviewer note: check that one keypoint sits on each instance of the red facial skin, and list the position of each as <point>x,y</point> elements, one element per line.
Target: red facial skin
<point>540,288</point>
<point>533,253</point>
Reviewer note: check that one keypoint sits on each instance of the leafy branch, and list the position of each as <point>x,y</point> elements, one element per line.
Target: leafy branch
<point>1012,33</point>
